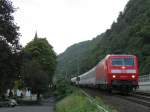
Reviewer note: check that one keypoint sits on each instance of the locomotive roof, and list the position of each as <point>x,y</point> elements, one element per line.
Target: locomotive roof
<point>109,55</point>
<point>119,55</point>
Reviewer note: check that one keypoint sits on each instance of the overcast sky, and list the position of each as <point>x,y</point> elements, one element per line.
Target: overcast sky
<point>65,22</point>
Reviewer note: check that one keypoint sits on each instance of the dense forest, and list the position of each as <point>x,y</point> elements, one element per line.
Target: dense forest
<point>130,34</point>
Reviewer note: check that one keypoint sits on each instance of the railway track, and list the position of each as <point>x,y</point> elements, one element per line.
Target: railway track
<point>140,98</point>
<point>143,93</point>
<point>138,102</point>
<point>137,97</point>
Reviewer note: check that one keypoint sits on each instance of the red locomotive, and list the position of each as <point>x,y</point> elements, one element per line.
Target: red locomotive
<point>119,72</point>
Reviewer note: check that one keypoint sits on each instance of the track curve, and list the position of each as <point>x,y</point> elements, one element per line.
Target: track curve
<point>121,103</point>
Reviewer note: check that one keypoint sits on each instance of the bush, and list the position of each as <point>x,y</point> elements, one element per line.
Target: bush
<point>62,89</point>
<point>75,102</point>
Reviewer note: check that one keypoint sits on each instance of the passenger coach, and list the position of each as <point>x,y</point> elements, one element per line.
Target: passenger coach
<point>119,72</point>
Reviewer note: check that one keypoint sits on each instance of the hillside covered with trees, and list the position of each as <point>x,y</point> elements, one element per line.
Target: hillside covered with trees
<point>130,34</point>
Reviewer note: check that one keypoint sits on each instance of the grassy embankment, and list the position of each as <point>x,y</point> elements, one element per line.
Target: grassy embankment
<point>78,102</point>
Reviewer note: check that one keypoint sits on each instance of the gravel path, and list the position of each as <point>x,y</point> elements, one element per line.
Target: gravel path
<point>47,106</point>
<point>28,109</point>
<point>122,105</point>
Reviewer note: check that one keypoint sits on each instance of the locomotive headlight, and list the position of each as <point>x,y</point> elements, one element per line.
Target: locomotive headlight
<point>114,76</point>
<point>133,76</point>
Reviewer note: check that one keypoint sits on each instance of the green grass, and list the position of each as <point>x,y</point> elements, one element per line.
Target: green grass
<point>78,102</point>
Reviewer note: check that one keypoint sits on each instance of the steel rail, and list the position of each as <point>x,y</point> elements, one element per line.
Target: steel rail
<point>91,100</point>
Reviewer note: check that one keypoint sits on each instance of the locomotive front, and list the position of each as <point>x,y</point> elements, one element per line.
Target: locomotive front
<point>123,72</point>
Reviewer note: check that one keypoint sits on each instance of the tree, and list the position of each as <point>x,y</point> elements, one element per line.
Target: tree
<point>40,50</point>
<point>39,62</point>
<point>9,46</point>
<point>35,78</point>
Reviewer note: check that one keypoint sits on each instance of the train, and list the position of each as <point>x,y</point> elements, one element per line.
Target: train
<point>114,72</point>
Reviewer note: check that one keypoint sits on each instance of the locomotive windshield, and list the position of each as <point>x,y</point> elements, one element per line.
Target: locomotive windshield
<point>122,61</point>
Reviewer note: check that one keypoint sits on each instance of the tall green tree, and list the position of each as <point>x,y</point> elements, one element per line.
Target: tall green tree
<point>35,78</point>
<point>39,62</point>
<point>40,50</point>
<point>9,46</point>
